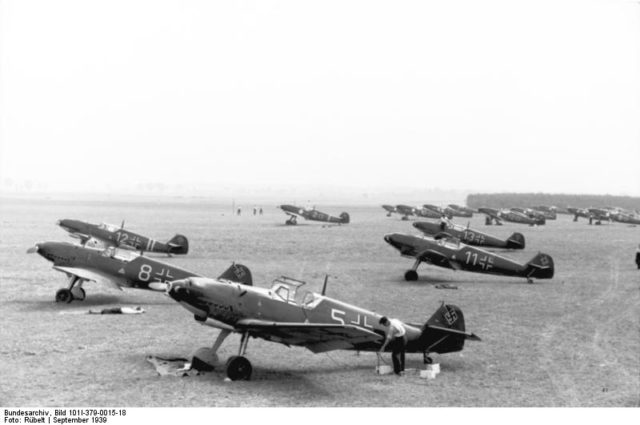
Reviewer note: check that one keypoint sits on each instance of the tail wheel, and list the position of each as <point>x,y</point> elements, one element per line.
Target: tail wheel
<point>64,296</point>
<point>411,275</point>
<point>239,368</point>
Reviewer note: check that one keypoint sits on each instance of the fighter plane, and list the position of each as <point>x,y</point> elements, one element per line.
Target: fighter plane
<point>436,210</point>
<point>311,214</point>
<point>458,256</point>
<point>510,216</point>
<point>458,211</point>
<point>468,236</point>
<point>83,264</point>
<point>626,217</point>
<point>118,237</point>
<point>389,209</point>
<point>550,213</point>
<point>531,213</point>
<point>599,215</point>
<point>578,212</point>
<point>291,316</point>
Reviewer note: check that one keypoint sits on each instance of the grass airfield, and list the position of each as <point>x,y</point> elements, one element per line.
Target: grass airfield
<point>570,341</point>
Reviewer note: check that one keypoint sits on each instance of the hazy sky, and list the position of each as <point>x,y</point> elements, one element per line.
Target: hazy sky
<point>479,95</point>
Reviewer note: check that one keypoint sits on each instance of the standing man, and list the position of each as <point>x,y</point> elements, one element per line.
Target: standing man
<point>395,336</point>
<point>638,257</point>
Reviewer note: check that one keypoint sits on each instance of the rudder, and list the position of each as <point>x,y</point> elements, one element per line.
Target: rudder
<point>238,273</point>
<point>445,332</point>
<point>178,244</point>
<point>516,241</point>
<point>541,267</point>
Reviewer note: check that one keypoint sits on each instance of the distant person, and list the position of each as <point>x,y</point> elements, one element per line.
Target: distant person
<point>444,222</point>
<point>487,221</point>
<point>396,339</point>
<point>590,218</point>
<point>260,210</point>
<point>255,211</point>
<point>638,256</point>
<point>239,211</point>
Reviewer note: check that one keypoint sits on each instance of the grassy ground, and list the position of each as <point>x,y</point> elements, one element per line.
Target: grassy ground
<point>571,341</point>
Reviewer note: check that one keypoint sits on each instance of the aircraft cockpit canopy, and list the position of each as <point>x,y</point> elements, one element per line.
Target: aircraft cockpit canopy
<point>287,289</point>
<point>107,226</point>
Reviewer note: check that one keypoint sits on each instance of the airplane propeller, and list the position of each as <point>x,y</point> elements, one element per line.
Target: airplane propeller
<point>33,249</point>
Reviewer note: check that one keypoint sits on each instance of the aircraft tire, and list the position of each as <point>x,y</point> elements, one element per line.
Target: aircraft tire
<point>239,368</point>
<point>64,296</point>
<point>411,275</point>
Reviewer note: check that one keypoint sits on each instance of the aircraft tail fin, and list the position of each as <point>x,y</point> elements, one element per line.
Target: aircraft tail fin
<point>238,273</point>
<point>344,217</point>
<point>516,241</point>
<point>540,267</point>
<point>445,332</point>
<point>178,244</point>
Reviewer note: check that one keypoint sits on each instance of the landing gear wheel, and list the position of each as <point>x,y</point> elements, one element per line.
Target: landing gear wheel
<point>239,368</point>
<point>529,280</point>
<point>426,359</point>
<point>411,275</point>
<point>78,294</point>
<point>64,296</point>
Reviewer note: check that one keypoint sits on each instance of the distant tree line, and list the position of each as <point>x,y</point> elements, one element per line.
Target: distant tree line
<point>504,200</point>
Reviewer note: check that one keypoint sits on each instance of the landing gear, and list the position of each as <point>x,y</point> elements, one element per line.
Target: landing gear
<point>78,293</point>
<point>73,292</point>
<point>238,367</point>
<point>64,296</point>
<point>206,358</point>
<point>426,359</point>
<point>293,220</point>
<point>412,275</point>
<point>529,280</point>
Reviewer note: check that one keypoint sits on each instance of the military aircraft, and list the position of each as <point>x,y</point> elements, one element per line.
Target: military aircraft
<point>626,217</point>
<point>83,264</point>
<point>468,236</point>
<point>599,215</point>
<point>436,210</point>
<point>533,214</point>
<point>405,211</point>
<point>112,235</point>
<point>510,216</point>
<point>578,212</point>
<point>458,256</point>
<point>549,212</point>
<point>291,316</point>
<point>389,209</point>
<point>311,214</point>
<point>458,211</point>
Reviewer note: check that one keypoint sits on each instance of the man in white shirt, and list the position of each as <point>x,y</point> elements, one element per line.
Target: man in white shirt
<point>396,337</point>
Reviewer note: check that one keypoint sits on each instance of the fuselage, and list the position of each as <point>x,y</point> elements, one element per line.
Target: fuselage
<point>464,234</point>
<point>137,272</point>
<point>468,258</point>
<point>228,302</point>
<point>113,236</point>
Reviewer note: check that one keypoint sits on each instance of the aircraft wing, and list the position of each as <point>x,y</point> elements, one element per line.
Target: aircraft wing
<point>93,275</point>
<point>317,337</point>
<point>434,257</point>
